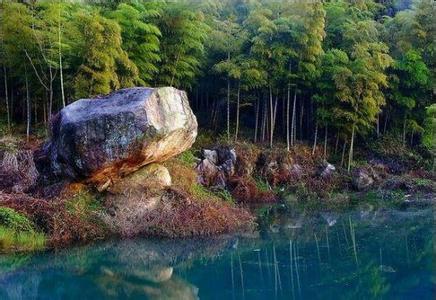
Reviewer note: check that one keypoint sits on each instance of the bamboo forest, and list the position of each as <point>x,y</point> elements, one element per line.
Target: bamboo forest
<point>217,149</point>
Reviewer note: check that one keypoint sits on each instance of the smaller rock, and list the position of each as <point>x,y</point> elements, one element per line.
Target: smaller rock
<point>153,176</point>
<point>211,155</point>
<point>207,172</point>
<point>327,169</point>
<point>362,180</point>
<point>216,167</point>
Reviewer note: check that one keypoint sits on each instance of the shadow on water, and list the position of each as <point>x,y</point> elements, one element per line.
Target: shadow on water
<point>384,254</point>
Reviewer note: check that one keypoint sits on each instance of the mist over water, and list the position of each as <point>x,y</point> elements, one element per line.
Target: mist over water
<point>382,254</point>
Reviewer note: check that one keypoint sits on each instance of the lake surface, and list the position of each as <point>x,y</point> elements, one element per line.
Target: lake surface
<point>383,254</point>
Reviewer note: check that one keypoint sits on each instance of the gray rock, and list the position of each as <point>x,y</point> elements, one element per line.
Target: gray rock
<point>109,137</point>
<point>211,155</point>
<point>327,170</point>
<point>362,180</point>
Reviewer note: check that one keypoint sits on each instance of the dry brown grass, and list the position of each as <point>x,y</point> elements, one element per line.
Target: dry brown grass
<point>62,226</point>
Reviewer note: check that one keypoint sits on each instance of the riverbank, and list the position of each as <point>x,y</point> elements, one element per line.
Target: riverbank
<point>198,202</point>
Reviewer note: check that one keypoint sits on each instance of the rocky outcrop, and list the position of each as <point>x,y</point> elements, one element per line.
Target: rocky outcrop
<point>216,166</point>
<point>109,137</point>
<point>362,180</point>
<point>326,169</point>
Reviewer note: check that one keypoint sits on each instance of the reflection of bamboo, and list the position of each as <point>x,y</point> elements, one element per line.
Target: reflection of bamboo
<point>277,278</point>
<point>328,243</point>
<point>381,257</point>
<point>290,265</point>
<point>267,264</point>
<point>260,266</point>
<point>353,239</point>
<point>242,276</point>
<point>317,249</point>
<point>296,268</point>
<point>345,235</point>
<point>339,242</point>
<point>232,272</point>
<point>407,250</point>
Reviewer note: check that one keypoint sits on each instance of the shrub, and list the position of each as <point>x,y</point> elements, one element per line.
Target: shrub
<point>17,233</point>
<point>188,158</point>
<point>178,216</point>
<point>63,220</point>
<point>11,219</point>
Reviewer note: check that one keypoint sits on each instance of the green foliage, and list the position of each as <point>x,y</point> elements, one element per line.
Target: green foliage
<point>226,196</point>
<point>11,219</point>
<point>84,204</point>
<point>429,139</point>
<point>188,158</point>
<point>182,45</point>
<point>17,233</point>
<point>105,66</point>
<point>141,37</point>
<point>11,240</point>
<point>353,68</point>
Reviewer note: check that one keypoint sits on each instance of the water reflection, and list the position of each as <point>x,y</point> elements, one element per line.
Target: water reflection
<point>383,254</point>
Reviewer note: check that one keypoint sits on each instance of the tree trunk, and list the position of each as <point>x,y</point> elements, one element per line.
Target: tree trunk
<point>257,120</point>
<point>350,154</point>
<point>404,130</point>
<point>386,123</point>
<point>271,125</point>
<point>44,110</point>
<point>301,119</point>
<point>12,104</point>
<point>60,59</point>
<point>35,110</point>
<point>228,109</point>
<point>325,141</point>
<point>378,125</point>
<point>7,99</point>
<point>293,122</point>
<point>288,104</point>
<point>264,116</point>
<point>315,139</point>
<point>27,108</point>
<point>50,93</point>
<point>237,112</point>
<point>344,147</point>
<point>337,143</point>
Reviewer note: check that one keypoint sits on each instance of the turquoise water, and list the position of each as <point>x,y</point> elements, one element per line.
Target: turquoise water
<point>384,254</point>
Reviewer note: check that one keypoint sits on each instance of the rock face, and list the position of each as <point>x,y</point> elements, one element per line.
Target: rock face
<point>216,166</point>
<point>362,180</point>
<point>326,169</point>
<point>112,136</point>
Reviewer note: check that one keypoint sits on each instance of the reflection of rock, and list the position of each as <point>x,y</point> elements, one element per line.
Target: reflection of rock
<point>116,286</point>
<point>156,274</point>
<point>174,289</point>
<point>330,218</point>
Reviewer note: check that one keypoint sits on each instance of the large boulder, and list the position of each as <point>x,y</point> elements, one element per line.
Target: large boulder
<point>109,137</point>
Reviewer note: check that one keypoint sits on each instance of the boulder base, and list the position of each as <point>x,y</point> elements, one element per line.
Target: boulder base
<point>105,138</point>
